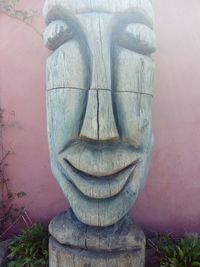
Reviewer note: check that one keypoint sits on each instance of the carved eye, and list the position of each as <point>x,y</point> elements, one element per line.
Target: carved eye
<point>139,38</point>
<point>57,33</point>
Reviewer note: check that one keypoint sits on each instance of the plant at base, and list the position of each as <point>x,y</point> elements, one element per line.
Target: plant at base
<point>9,212</point>
<point>30,248</point>
<point>184,252</point>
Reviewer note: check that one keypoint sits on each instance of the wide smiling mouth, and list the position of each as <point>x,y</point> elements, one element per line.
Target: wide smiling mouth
<point>99,170</point>
<point>98,187</point>
<point>98,177</point>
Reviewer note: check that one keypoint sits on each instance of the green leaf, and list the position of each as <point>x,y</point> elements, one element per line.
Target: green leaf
<point>30,248</point>
<point>182,252</point>
<point>196,264</point>
<point>12,264</point>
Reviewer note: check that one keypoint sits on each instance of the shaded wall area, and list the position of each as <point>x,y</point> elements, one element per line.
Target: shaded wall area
<point>170,200</point>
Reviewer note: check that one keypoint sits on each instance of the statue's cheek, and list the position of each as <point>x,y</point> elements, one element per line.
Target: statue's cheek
<point>66,94</point>
<point>68,67</point>
<point>132,96</point>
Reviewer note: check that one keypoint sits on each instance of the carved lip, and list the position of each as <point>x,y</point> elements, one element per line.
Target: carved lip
<point>98,181</point>
<point>98,187</point>
<point>99,159</point>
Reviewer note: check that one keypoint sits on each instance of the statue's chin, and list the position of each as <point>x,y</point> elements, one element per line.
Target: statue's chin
<point>101,208</point>
<point>102,212</point>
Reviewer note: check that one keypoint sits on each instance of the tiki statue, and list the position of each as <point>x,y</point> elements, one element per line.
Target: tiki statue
<point>99,96</point>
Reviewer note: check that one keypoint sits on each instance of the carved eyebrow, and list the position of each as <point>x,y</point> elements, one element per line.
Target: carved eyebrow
<point>135,16</point>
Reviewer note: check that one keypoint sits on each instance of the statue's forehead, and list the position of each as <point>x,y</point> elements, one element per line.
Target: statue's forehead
<point>108,6</point>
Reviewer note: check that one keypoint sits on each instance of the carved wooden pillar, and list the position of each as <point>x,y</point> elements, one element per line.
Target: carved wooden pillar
<point>99,95</point>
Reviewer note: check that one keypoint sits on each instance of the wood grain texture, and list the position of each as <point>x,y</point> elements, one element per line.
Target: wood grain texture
<point>62,72</point>
<point>124,235</point>
<point>99,187</point>
<point>102,212</point>
<point>133,72</point>
<point>61,256</point>
<point>76,244</point>
<point>99,93</point>
<point>100,159</point>
<point>139,38</point>
<point>99,122</point>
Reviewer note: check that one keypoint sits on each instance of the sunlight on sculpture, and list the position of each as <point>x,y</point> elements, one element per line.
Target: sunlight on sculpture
<point>99,95</point>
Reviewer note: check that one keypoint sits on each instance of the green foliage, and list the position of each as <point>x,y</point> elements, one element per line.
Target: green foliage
<point>30,248</point>
<point>184,252</point>
<point>9,213</point>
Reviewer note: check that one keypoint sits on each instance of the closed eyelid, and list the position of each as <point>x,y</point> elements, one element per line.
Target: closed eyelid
<point>135,16</point>
<point>138,38</point>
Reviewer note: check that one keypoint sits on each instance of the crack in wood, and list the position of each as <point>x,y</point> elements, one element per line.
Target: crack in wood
<point>99,89</point>
<point>98,114</point>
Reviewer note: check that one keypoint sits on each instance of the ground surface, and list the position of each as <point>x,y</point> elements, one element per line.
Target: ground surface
<point>150,258</point>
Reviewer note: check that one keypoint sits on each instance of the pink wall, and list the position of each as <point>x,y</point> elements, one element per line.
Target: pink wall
<point>170,200</point>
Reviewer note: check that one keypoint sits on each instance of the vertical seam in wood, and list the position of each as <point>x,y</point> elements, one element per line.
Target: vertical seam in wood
<point>73,259</point>
<point>101,43</point>
<point>86,237</point>
<point>58,259</point>
<point>98,114</point>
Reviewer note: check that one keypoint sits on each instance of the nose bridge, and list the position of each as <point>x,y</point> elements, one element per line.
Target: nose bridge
<point>99,122</point>
<point>99,44</point>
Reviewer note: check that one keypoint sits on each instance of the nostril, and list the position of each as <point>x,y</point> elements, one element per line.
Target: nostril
<point>99,121</point>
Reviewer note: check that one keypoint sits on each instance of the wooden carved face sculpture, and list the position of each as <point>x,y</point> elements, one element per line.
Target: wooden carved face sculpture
<point>99,95</point>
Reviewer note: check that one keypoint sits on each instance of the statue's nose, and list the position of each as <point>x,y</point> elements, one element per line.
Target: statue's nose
<point>99,121</point>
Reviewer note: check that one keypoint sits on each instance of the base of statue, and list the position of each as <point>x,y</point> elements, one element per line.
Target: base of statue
<point>74,244</point>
